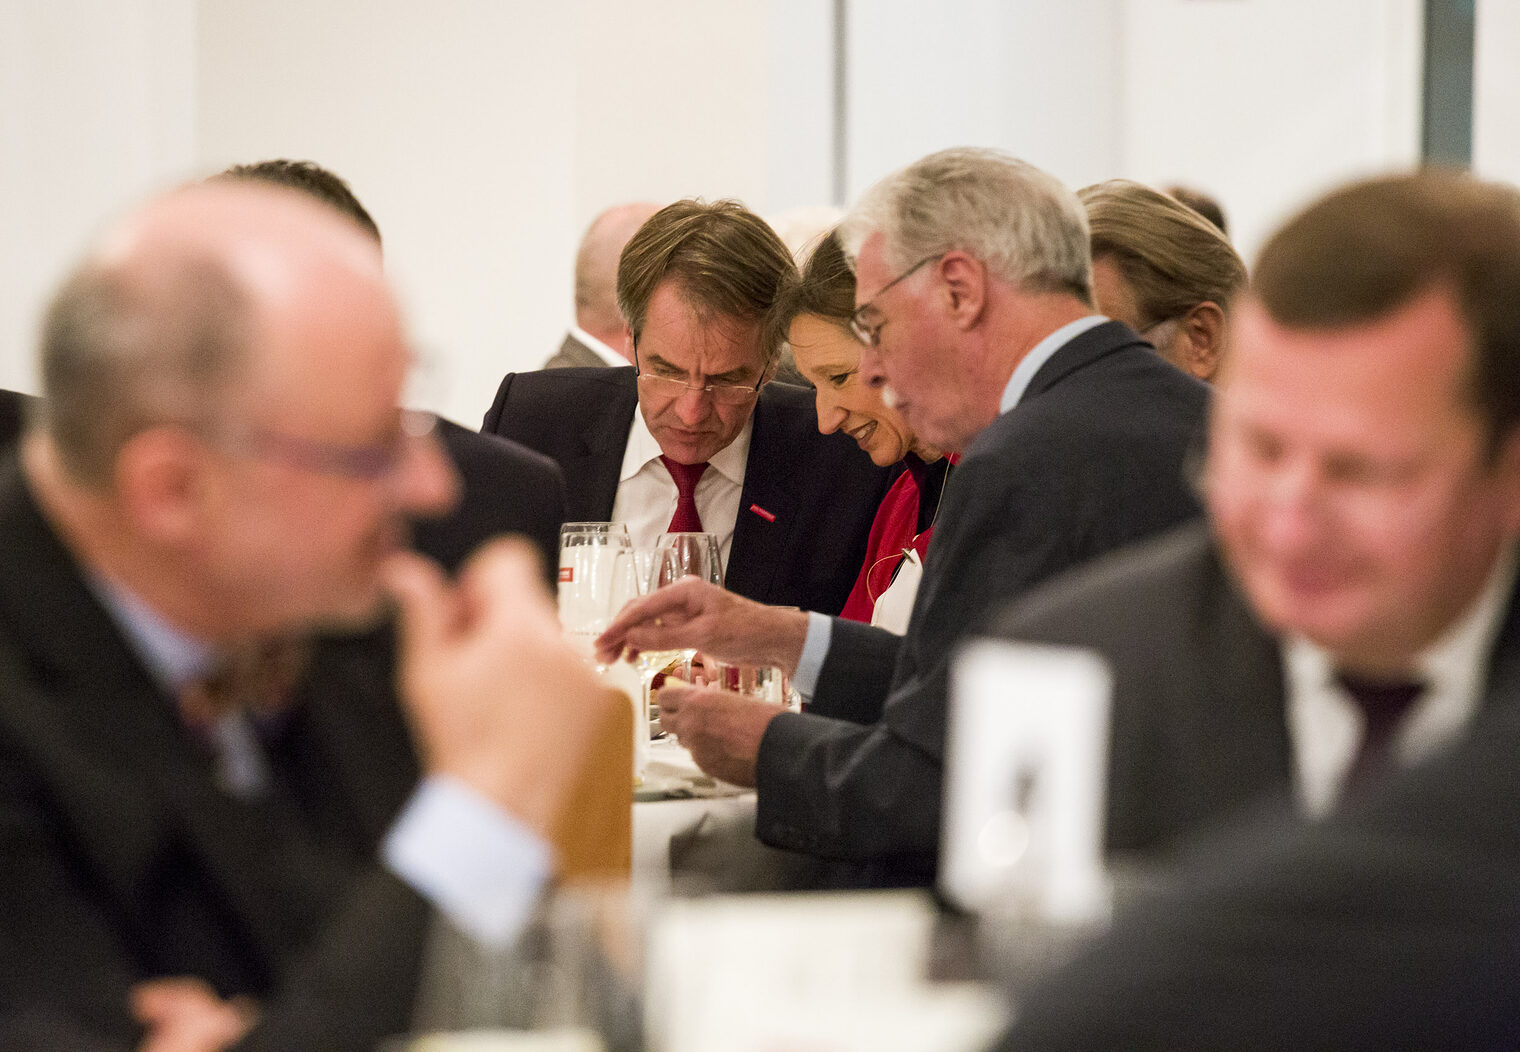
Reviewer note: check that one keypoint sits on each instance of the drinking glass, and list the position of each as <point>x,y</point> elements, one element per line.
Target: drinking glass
<point>696,555</point>
<point>588,582</point>
<point>765,682</point>
<point>656,568</point>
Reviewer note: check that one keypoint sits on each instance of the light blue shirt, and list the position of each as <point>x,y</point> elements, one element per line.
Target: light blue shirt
<point>820,632</point>
<point>472,861</point>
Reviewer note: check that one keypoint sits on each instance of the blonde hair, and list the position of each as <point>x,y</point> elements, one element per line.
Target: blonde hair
<point>1171,258</point>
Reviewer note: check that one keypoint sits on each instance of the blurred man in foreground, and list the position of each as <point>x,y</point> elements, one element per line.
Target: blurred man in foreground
<point>1354,602</point>
<point>192,856</point>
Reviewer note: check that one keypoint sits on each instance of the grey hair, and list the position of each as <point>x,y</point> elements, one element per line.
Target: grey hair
<point>126,348</point>
<point>1027,227</point>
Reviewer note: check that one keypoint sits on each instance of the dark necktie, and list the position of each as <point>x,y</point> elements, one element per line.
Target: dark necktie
<point>686,519</point>
<point>248,690</point>
<point>1384,705</point>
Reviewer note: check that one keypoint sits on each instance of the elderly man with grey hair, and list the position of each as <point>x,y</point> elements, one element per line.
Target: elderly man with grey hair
<point>974,285</point>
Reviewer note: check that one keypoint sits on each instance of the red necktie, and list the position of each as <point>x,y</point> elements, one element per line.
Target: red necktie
<point>686,519</point>
<point>1384,705</point>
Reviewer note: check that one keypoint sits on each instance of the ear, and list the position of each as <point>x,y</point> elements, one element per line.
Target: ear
<point>965,281</point>
<point>161,482</point>
<point>1202,330</point>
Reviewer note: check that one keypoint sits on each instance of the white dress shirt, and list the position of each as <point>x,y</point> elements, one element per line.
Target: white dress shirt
<point>597,347</point>
<point>1325,725</point>
<point>646,495</point>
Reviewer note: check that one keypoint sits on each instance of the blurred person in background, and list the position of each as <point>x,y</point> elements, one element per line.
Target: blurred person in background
<point>600,335</point>
<point>1163,271</point>
<point>1204,204</point>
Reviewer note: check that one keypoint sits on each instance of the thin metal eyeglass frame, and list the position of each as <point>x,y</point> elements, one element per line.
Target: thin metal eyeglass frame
<point>362,463</point>
<point>870,335</point>
<point>729,394</point>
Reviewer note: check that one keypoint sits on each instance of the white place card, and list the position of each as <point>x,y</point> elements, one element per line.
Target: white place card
<point>1025,774</point>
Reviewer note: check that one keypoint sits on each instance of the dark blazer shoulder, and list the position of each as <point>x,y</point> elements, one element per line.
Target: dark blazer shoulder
<point>505,487</point>
<point>535,402</point>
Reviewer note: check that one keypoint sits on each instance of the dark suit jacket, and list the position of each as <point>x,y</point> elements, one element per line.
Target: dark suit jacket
<point>1091,458</point>
<point>1394,924</point>
<point>504,488</point>
<point>14,408</point>
<point>822,490</point>
<point>121,860</point>
<point>573,354</point>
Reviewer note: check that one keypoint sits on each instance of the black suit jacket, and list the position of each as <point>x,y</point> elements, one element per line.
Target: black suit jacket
<point>14,409</point>
<point>121,860</point>
<point>504,488</point>
<point>573,354</point>
<point>1092,457</point>
<point>821,489</point>
<point>1394,924</point>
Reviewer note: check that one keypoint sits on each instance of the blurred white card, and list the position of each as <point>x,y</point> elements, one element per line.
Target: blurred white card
<point>1025,773</point>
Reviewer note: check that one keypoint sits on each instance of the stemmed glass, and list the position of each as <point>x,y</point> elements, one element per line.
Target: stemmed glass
<point>680,555</point>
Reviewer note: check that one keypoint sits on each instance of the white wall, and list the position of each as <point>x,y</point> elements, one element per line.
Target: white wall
<point>1496,91</point>
<point>1266,103</point>
<point>96,108</point>
<point>1260,102</point>
<point>1036,78</point>
<point>485,134</point>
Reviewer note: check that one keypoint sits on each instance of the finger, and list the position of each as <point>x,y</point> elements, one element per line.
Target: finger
<point>508,566</point>
<point>422,597</point>
<point>672,696</point>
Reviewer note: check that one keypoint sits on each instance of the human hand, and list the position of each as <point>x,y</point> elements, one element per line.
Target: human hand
<point>184,1014</point>
<point>721,729</point>
<point>693,613</point>
<point>482,662</point>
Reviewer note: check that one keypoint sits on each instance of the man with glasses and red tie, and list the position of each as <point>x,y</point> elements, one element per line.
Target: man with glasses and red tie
<point>694,437</point>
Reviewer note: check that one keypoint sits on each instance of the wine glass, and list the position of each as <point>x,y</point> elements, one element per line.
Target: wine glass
<point>696,554</point>
<point>588,578</point>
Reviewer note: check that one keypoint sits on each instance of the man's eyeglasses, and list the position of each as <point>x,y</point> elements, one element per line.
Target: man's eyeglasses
<point>868,333</point>
<point>672,387</point>
<point>364,463</point>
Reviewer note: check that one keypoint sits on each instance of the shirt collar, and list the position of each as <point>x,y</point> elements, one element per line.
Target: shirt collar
<point>173,657</point>
<point>642,448</point>
<point>597,347</point>
<point>1041,353</point>
<point>1455,661</point>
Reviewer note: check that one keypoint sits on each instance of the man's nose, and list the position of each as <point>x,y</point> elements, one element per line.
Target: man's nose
<point>873,373</point>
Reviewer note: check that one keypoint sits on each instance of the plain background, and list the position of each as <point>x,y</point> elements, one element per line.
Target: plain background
<point>484,134</point>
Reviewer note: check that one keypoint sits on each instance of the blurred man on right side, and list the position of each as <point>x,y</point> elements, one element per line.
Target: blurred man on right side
<point>1354,600</point>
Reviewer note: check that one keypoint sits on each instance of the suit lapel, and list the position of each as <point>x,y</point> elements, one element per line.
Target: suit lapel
<point>1502,684</point>
<point>595,460</point>
<point>760,540</point>
<point>1088,347</point>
